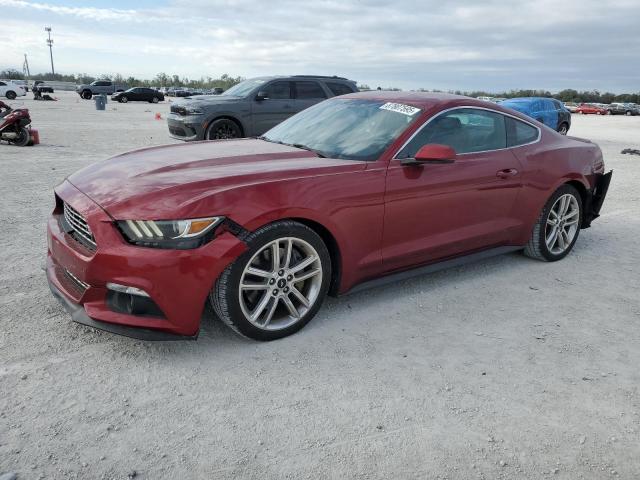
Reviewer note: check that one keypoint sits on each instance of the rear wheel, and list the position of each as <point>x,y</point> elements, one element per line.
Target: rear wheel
<point>10,94</point>
<point>563,129</point>
<point>222,129</point>
<point>558,226</point>
<point>22,139</point>
<point>278,285</point>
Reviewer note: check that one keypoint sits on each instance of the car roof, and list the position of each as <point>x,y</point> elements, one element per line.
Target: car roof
<point>419,99</point>
<point>304,77</point>
<point>432,100</point>
<point>526,99</point>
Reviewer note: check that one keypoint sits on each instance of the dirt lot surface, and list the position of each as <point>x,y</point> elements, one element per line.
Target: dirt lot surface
<point>507,368</point>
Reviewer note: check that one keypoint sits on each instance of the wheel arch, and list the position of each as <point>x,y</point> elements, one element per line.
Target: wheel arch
<point>333,247</point>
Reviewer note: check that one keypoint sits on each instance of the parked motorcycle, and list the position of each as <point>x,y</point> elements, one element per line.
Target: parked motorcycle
<point>13,127</point>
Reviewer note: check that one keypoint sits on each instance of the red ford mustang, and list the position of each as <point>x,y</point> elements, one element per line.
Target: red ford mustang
<point>358,190</point>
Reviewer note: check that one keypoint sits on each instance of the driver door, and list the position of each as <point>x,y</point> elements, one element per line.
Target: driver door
<point>277,107</point>
<point>436,211</point>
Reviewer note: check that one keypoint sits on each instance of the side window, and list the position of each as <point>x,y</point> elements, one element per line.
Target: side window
<point>309,90</point>
<point>339,88</point>
<point>520,133</point>
<point>279,90</point>
<point>466,130</point>
<point>2,84</point>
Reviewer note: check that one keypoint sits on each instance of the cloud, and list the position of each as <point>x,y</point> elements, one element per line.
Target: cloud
<point>407,43</point>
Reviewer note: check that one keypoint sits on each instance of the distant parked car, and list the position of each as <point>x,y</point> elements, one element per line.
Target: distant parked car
<point>571,106</point>
<point>623,109</point>
<point>549,111</point>
<point>138,94</point>
<point>591,109</point>
<point>41,87</point>
<point>106,87</point>
<point>252,107</point>
<point>11,90</point>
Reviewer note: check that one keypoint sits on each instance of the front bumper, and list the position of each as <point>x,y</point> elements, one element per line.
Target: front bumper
<point>177,281</point>
<point>187,128</point>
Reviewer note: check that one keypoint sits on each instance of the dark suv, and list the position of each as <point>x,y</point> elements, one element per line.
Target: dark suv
<point>251,107</point>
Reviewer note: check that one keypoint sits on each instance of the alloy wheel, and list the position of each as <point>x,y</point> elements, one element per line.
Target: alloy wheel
<point>562,224</point>
<point>223,131</point>
<point>280,283</point>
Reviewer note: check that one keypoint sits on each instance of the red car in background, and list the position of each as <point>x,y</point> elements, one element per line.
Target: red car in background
<point>353,192</point>
<point>586,108</point>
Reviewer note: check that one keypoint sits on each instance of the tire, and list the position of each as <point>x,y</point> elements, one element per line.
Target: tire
<point>538,246</point>
<point>628,113</point>
<point>123,99</point>
<point>22,139</point>
<point>10,94</point>
<point>155,100</point>
<point>223,129</point>
<point>86,94</point>
<point>297,244</point>
<point>563,129</point>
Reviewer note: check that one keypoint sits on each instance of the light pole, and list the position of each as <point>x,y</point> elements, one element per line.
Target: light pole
<point>50,43</point>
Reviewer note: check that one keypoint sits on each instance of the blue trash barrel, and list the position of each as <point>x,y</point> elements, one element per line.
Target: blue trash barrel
<point>101,102</point>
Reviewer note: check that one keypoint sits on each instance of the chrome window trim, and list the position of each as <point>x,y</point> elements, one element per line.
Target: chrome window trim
<point>395,156</point>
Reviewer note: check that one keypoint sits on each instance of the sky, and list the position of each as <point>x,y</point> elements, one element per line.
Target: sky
<point>448,44</point>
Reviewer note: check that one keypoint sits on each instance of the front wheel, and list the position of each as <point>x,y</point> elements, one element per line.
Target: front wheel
<point>223,129</point>
<point>277,286</point>
<point>123,99</point>
<point>86,94</point>
<point>557,228</point>
<point>11,95</point>
<point>155,100</point>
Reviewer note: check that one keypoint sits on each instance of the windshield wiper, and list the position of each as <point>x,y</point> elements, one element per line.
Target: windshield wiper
<point>309,149</point>
<point>295,145</point>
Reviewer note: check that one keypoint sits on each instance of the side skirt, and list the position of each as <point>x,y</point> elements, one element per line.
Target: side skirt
<point>433,267</point>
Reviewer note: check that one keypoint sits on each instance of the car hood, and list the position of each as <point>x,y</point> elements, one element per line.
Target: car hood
<point>204,100</point>
<point>177,181</point>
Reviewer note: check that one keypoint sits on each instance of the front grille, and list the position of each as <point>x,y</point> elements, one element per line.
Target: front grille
<point>80,230</point>
<point>179,109</point>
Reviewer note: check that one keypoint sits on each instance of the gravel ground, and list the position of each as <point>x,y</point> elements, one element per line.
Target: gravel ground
<point>507,368</point>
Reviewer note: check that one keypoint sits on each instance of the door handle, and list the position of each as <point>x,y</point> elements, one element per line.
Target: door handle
<point>506,173</point>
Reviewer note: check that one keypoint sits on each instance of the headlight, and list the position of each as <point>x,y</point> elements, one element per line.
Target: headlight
<point>176,234</point>
<point>193,111</point>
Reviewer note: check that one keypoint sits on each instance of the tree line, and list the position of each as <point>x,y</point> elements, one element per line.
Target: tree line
<point>226,81</point>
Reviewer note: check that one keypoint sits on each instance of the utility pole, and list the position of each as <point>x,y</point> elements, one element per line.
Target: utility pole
<point>50,43</point>
<point>25,68</point>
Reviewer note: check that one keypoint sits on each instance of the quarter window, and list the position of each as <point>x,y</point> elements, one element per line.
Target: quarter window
<point>520,133</point>
<point>466,130</point>
<point>339,88</point>
<point>309,90</point>
<point>279,90</point>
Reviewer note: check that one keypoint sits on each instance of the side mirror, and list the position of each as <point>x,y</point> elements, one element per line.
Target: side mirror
<point>262,95</point>
<point>432,153</point>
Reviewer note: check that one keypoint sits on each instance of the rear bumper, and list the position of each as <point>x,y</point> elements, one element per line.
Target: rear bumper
<point>596,199</point>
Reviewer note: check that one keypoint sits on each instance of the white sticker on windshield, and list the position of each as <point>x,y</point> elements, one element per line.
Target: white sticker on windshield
<point>400,108</point>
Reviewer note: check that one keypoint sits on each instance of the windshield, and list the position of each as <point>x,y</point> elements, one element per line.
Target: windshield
<point>347,128</point>
<point>243,88</point>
